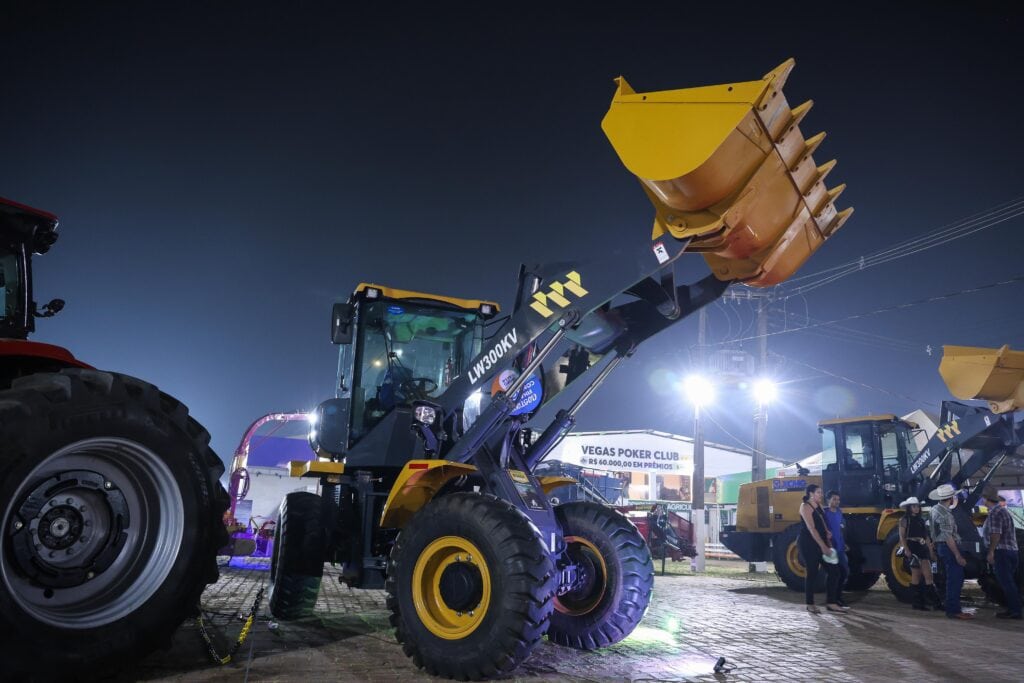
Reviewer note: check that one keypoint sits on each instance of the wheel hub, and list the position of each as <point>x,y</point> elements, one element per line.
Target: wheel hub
<point>60,527</point>
<point>461,586</point>
<point>75,522</point>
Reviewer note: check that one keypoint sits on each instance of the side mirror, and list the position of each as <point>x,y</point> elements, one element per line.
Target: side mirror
<point>341,323</point>
<point>52,308</point>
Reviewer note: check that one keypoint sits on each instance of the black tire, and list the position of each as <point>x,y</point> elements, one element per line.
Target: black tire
<point>614,599</point>
<point>297,561</point>
<point>140,504</point>
<point>990,584</point>
<point>789,563</point>
<point>503,621</point>
<point>897,573</point>
<point>861,581</point>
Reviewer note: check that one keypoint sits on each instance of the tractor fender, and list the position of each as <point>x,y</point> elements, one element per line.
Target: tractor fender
<point>33,350</point>
<point>420,480</point>
<point>888,522</point>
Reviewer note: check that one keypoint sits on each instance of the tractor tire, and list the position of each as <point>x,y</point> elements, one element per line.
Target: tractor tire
<point>619,578</point>
<point>990,584</point>
<point>297,561</point>
<point>470,587</point>
<point>897,574</point>
<point>111,515</point>
<point>861,581</point>
<point>789,564</point>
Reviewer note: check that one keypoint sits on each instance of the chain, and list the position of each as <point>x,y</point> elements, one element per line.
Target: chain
<point>200,622</point>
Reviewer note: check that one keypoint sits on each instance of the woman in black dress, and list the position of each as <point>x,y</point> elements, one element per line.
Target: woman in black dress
<point>814,544</point>
<point>918,554</point>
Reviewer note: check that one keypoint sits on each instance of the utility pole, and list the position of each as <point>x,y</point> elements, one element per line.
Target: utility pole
<point>758,458</point>
<point>758,465</point>
<point>697,484</point>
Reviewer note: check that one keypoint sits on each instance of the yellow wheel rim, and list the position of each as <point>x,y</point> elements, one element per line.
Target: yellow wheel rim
<point>450,554</point>
<point>899,567</point>
<point>793,560</point>
<point>579,548</point>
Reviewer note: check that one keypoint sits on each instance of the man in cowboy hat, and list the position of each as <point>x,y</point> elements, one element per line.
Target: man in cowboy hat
<point>944,533</point>
<point>1002,551</point>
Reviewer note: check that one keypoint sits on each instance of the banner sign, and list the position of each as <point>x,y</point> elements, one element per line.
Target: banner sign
<point>626,453</point>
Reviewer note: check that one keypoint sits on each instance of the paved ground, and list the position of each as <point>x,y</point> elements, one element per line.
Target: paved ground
<point>758,625</point>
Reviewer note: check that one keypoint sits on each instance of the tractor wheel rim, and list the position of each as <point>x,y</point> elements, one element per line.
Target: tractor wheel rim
<point>793,561</point>
<point>119,506</point>
<point>579,602</point>
<point>439,560</point>
<point>899,568</point>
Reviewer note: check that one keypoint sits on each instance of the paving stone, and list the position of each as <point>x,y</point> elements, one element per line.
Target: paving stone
<point>759,626</point>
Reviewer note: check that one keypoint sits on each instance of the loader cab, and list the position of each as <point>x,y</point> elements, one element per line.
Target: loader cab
<point>863,458</point>
<point>23,231</point>
<point>397,347</point>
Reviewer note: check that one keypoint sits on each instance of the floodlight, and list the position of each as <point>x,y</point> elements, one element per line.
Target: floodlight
<point>765,391</point>
<point>699,390</point>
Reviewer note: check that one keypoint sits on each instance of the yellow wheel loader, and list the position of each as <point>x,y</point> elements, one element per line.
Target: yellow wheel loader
<point>425,462</point>
<point>873,463</point>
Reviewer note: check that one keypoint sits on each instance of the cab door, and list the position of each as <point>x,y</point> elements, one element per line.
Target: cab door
<point>860,481</point>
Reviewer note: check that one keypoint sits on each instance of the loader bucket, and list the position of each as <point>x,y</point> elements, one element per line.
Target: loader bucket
<point>993,375</point>
<point>727,167</point>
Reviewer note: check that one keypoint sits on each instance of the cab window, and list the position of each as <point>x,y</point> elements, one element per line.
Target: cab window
<point>858,452</point>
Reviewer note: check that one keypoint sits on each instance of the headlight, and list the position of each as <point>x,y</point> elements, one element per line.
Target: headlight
<point>425,414</point>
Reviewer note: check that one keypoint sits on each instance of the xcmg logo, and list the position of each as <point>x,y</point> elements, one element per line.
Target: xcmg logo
<point>947,432</point>
<point>555,294</point>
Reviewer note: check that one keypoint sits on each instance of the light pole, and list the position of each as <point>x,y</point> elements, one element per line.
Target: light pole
<point>765,392</point>
<point>700,392</point>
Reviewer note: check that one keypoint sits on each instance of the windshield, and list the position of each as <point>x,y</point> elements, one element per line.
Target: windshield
<point>10,284</point>
<point>408,352</point>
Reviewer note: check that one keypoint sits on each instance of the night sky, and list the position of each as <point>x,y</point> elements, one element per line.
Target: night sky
<point>225,171</point>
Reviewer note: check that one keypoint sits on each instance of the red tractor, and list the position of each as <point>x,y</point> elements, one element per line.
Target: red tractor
<point>110,499</point>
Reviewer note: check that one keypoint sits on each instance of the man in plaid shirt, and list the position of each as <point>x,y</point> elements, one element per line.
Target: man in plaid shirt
<point>1003,553</point>
<point>947,545</point>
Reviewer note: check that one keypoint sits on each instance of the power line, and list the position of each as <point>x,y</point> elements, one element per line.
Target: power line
<point>957,230</point>
<point>857,382</point>
<point>888,309</point>
<point>735,438</point>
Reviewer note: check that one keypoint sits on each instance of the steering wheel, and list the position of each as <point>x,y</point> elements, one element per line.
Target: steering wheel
<point>418,387</point>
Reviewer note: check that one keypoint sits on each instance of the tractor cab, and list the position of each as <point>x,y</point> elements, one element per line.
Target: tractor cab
<point>23,231</point>
<point>400,347</point>
<point>863,457</point>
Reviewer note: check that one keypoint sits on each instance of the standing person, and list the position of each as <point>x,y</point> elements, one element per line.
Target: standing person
<point>919,553</point>
<point>814,546</point>
<point>946,537</point>
<point>1003,553</point>
<point>834,518</point>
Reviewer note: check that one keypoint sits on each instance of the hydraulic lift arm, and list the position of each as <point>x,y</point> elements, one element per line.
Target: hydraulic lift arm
<point>992,375</point>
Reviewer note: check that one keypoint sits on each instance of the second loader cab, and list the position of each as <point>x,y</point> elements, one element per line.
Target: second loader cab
<point>863,458</point>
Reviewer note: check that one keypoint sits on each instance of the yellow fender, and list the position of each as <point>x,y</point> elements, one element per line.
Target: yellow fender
<point>420,480</point>
<point>888,522</point>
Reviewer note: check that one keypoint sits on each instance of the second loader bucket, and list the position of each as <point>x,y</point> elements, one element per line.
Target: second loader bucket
<point>993,375</point>
<point>727,167</point>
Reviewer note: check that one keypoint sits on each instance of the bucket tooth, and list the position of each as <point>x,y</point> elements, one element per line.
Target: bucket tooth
<point>825,169</point>
<point>800,112</point>
<point>779,74</point>
<point>812,143</point>
<point>624,87</point>
<point>838,221</point>
<point>834,193</point>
